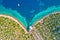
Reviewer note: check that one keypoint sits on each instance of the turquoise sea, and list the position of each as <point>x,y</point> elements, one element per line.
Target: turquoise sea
<point>27,12</point>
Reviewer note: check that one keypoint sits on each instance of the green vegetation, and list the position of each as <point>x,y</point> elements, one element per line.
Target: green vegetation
<point>10,30</point>
<point>50,28</point>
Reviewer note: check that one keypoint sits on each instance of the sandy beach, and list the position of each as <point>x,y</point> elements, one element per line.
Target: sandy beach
<point>41,20</point>
<point>7,16</point>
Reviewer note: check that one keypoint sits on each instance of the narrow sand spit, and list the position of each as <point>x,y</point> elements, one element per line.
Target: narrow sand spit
<point>1,15</point>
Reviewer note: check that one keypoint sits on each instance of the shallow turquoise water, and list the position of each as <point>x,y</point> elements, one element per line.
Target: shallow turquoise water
<point>40,15</point>
<point>14,14</point>
<point>22,19</point>
<point>28,11</point>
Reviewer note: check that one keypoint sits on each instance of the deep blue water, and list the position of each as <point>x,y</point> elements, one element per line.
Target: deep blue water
<point>29,8</point>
